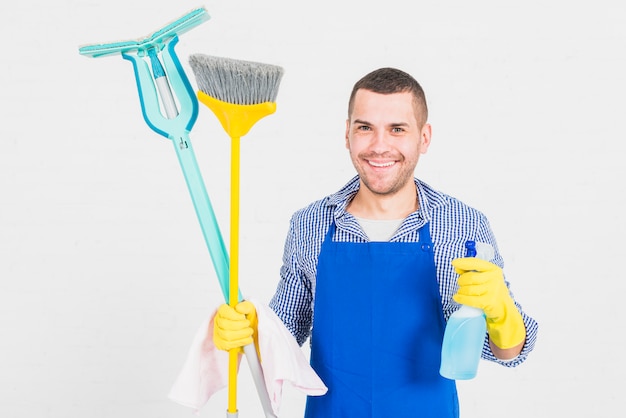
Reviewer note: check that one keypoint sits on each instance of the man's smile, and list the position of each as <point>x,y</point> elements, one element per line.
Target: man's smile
<point>380,164</point>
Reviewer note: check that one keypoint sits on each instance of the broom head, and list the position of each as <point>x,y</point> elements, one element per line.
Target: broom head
<point>238,92</point>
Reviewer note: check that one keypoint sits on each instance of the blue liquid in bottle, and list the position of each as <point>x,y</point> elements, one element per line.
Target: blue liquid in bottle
<point>463,338</point>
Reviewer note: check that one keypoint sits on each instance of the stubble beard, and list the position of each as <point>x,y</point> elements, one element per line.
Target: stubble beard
<point>384,185</point>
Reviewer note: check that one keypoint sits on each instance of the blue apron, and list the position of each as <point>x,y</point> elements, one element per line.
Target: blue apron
<point>377,332</point>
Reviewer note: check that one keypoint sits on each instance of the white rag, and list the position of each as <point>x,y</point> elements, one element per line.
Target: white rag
<point>206,368</point>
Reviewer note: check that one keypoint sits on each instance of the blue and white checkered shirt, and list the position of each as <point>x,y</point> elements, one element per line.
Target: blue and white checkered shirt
<point>451,224</point>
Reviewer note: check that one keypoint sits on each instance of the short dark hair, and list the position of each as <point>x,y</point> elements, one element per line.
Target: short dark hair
<point>389,81</point>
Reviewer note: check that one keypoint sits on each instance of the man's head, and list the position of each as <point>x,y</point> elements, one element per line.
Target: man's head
<point>386,132</point>
<point>388,81</point>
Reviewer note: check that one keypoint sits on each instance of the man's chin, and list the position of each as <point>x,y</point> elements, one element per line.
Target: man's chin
<point>380,188</point>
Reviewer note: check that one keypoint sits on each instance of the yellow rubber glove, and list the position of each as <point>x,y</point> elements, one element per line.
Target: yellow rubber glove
<point>481,285</point>
<point>235,327</point>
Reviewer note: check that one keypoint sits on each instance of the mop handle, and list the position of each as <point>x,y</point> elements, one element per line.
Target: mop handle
<point>204,210</point>
<point>193,177</point>
<point>257,373</point>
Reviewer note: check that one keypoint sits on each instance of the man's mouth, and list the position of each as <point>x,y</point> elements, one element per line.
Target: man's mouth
<point>381,164</point>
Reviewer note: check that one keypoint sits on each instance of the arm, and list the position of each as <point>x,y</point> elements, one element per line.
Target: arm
<point>471,224</point>
<point>506,353</point>
<point>509,356</point>
<point>482,285</point>
<point>292,301</point>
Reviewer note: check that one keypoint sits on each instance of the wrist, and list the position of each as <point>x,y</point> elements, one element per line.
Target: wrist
<point>508,331</point>
<point>507,355</point>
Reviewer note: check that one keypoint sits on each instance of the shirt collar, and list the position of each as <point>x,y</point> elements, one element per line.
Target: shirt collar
<point>341,198</point>
<point>426,197</point>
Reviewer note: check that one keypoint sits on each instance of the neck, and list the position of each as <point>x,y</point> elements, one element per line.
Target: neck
<point>369,205</point>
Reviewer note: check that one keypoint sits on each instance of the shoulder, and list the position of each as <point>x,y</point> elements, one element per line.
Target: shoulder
<point>316,212</point>
<point>437,203</point>
<point>307,228</point>
<point>325,209</point>
<point>451,218</point>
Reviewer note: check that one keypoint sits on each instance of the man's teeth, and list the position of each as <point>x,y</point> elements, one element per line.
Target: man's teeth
<point>389,164</point>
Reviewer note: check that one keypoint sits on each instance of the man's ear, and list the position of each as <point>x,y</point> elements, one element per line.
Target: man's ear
<point>425,136</point>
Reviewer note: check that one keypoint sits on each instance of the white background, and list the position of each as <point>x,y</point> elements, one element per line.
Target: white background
<point>104,273</point>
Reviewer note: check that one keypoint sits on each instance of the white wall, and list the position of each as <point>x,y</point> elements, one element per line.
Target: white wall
<point>104,274</point>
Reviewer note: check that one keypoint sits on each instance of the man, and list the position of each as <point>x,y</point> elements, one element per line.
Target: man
<point>369,272</point>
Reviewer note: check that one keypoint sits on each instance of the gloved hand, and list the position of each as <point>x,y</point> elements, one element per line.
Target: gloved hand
<point>235,327</point>
<point>481,285</point>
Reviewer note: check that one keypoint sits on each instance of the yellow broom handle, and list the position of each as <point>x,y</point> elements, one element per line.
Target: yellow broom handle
<point>234,265</point>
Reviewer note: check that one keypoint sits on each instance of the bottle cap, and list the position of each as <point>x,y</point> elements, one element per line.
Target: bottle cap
<point>470,248</point>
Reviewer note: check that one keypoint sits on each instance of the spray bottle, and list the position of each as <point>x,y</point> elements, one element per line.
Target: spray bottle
<point>465,331</point>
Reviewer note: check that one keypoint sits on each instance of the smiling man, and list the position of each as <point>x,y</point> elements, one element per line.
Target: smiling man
<point>385,134</point>
<point>372,272</point>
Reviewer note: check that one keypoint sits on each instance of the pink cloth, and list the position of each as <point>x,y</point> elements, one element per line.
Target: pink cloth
<point>206,368</point>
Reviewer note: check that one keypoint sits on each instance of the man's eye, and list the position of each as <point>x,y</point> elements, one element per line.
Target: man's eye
<point>363,128</point>
<point>397,129</point>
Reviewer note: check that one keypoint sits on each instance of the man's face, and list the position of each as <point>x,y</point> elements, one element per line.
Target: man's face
<point>385,140</point>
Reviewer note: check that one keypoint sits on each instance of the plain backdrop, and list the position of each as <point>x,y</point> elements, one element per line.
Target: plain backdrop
<point>105,277</point>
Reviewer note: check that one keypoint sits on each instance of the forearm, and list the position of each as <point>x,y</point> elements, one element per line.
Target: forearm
<point>506,353</point>
<point>291,303</point>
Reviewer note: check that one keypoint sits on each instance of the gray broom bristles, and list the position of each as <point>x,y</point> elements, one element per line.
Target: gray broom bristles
<point>236,81</point>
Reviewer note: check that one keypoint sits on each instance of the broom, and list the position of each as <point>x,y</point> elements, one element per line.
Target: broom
<point>239,93</point>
